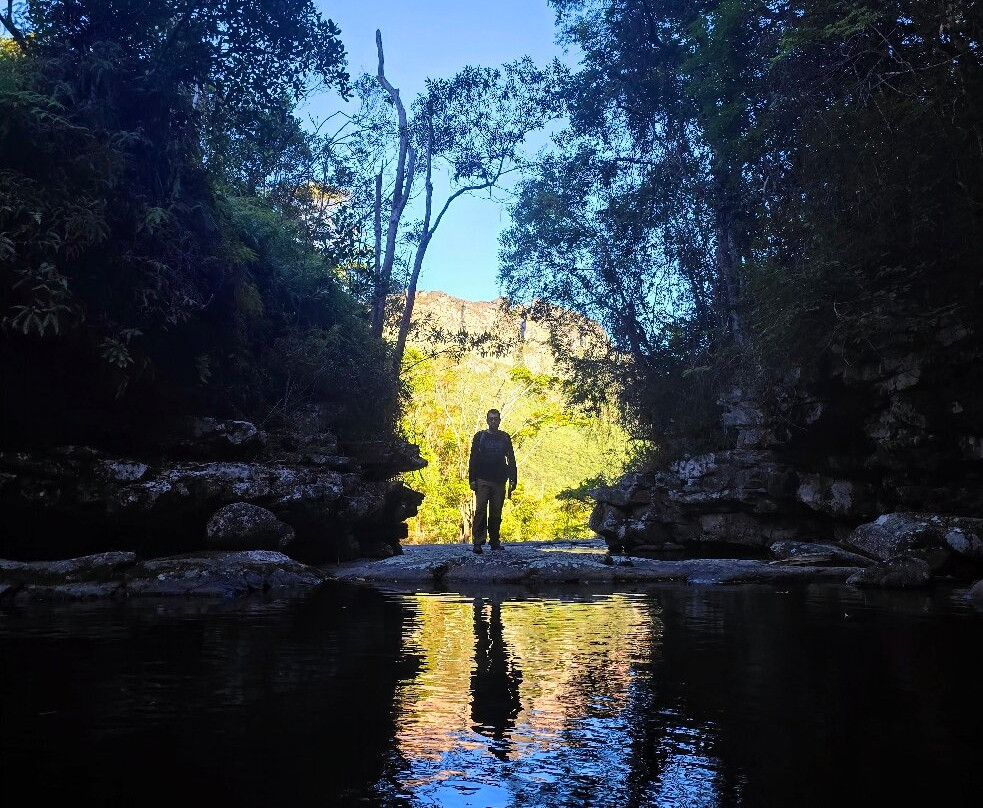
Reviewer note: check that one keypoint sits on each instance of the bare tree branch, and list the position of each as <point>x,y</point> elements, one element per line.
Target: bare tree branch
<point>401,192</point>
<point>15,33</point>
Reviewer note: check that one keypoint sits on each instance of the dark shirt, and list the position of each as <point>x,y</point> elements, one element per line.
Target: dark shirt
<point>492,457</point>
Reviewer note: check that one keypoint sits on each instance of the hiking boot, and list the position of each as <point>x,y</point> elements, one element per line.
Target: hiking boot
<point>478,550</point>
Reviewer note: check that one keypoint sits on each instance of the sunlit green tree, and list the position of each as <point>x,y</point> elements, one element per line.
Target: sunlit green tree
<point>556,448</point>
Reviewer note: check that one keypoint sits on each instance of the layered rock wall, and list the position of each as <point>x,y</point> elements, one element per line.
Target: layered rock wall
<point>820,452</point>
<point>213,484</point>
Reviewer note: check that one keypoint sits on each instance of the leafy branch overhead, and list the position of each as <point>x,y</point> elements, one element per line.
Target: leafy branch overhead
<point>747,186</point>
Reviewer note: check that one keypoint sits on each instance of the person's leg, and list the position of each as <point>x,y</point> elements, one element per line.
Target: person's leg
<point>496,501</point>
<point>479,529</point>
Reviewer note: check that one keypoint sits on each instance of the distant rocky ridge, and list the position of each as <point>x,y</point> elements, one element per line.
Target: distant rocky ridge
<point>440,319</point>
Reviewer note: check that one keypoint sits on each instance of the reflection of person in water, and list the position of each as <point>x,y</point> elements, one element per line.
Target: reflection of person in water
<point>495,679</point>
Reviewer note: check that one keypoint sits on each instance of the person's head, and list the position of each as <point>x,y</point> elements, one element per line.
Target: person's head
<point>493,419</point>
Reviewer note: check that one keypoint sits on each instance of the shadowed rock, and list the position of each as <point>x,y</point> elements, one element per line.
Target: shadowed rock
<point>241,526</point>
<point>121,576</point>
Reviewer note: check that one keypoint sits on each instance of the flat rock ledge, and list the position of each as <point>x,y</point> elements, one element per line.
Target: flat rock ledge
<point>569,562</point>
<point>215,574</point>
<point>120,575</point>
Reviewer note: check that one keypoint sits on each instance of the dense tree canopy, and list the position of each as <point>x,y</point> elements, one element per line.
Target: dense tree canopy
<point>156,248</point>
<point>742,181</point>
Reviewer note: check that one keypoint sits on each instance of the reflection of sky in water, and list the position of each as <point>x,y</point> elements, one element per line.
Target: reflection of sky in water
<point>531,703</point>
<point>688,778</point>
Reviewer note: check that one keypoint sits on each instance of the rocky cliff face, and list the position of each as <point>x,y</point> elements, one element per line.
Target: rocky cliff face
<point>820,454</point>
<point>209,484</point>
<point>440,319</point>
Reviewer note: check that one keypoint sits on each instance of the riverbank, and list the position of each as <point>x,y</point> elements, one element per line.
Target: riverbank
<point>584,563</point>
<point>570,562</point>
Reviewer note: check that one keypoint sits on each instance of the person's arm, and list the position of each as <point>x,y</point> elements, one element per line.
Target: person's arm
<point>513,471</point>
<point>472,459</point>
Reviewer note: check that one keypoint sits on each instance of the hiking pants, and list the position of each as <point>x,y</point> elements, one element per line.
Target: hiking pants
<point>489,498</point>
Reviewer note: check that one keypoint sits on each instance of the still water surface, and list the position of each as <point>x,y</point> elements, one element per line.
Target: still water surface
<point>355,696</point>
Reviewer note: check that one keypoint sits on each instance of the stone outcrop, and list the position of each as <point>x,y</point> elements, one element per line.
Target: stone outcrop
<point>535,564</point>
<point>879,454</point>
<point>214,485</point>
<point>119,575</point>
<point>241,526</point>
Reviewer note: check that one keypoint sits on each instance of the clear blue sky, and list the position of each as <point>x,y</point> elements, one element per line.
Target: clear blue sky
<point>436,38</point>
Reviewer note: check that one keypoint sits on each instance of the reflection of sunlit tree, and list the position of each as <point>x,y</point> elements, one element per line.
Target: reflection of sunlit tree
<point>596,725</point>
<point>435,703</point>
<point>576,661</point>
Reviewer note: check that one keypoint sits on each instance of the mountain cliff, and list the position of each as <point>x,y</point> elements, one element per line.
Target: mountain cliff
<point>441,321</point>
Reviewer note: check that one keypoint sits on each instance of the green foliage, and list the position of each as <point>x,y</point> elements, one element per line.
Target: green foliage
<point>252,56</point>
<point>49,301</point>
<point>477,120</point>
<point>287,334</point>
<point>876,211</point>
<point>83,229</point>
<point>556,446</point>
<point>155,254</point>
<point>745,184</point>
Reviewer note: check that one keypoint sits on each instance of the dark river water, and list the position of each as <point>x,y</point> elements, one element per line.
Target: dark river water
<point>354,696</point>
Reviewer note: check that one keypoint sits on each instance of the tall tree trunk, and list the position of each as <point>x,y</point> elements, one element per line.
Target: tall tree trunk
<point>377,257</point>
<point>421,249</point>
<point>405,168</point>
<point>378,221</point>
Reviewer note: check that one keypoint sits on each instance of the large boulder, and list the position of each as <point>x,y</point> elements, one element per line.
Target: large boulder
<point>895,573</point>
<point>241,526</point>
<point>943,541</point>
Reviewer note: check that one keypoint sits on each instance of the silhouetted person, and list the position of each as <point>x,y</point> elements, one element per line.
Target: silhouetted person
<point>495,679</point>
<point>492,475</point>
